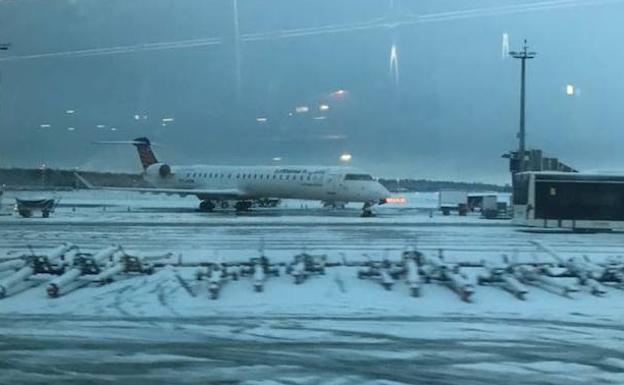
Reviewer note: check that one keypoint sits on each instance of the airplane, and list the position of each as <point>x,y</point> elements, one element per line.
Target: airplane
<point>242,186</point>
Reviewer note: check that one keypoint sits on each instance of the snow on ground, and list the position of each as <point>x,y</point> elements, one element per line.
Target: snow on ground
<point>152,226</point>
<point>163,328</point>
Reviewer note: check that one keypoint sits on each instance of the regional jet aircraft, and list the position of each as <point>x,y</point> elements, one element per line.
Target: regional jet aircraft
<point>241,186</point>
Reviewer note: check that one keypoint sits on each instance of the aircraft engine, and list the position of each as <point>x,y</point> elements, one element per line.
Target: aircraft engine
<point>161,170</point>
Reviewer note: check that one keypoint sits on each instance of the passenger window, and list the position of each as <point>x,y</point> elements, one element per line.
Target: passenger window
<point>360,177</point>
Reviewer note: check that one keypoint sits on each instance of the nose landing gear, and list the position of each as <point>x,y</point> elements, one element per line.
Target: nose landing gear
<point>366,210</point>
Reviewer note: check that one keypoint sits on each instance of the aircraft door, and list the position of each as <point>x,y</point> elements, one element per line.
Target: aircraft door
<point>331,184</point>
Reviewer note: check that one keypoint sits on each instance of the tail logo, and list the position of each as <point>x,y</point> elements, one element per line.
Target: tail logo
<point>144,149</point>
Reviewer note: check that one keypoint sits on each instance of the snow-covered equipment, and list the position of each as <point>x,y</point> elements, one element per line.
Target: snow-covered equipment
<point>503,277</point>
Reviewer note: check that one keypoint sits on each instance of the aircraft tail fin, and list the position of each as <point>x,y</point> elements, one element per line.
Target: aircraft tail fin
<point>144,148</point>
<point>146,155</point>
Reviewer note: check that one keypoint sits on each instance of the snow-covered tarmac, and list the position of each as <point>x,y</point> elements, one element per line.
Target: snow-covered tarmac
<point>332,329</point>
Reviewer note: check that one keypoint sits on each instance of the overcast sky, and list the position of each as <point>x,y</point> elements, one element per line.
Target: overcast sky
<point>441,104</point>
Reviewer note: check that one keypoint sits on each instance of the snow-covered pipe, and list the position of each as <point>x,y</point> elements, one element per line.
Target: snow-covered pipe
<point>54,287</point>
<point>59,251</point>
<point>258,277</point>
<point>552,281</point>
<point>596,287</point>
<point>513,285</point>
<point>109,273</point>
<point>214,283</point>
<point>234,271</point>
<point>14,279</point>
<point>386,279</point>
<point>530,276</point>
<point>26,271</point>
<point>215,276</point>
<point>69,256</point>
<point>298,272</point>
<point>412,272</point>
<point>460,282</point>
<point>214,288</point>
<point>105,253</point>
<point>299,268</point>
<point>585,270</point>
<point>15,264</point>
<point>412,277</point>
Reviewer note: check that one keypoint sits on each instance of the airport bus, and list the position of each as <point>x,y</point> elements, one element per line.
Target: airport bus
<point>577,201</point>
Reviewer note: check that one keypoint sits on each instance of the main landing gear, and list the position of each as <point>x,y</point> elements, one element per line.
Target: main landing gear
<point>206,206</point>
<point>241,206</point>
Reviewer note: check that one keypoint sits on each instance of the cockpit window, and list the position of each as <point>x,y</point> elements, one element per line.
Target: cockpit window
<point>358,177</point>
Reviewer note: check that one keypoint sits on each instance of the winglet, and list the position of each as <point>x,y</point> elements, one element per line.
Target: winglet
<point>84,181</point>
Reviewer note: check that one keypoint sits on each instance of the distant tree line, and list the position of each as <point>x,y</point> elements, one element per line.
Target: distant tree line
<point>48,178</point>
<point>423,185</point>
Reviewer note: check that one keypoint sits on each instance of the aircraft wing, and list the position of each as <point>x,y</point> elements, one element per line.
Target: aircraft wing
<point>204,193</point>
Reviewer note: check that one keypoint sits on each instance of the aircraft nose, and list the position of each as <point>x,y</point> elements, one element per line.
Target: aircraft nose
<point>383,192</point>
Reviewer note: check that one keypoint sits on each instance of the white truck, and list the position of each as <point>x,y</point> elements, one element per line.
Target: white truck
<point>450,200</point>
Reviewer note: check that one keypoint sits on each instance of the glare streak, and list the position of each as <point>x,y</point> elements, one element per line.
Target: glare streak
<point>394,64</point>
<point>377,23</point>
<point>119,49</point>
<point>505,46</point>
<point>426,18</point>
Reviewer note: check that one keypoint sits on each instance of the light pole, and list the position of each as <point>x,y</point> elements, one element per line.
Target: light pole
<point>523,55</point>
